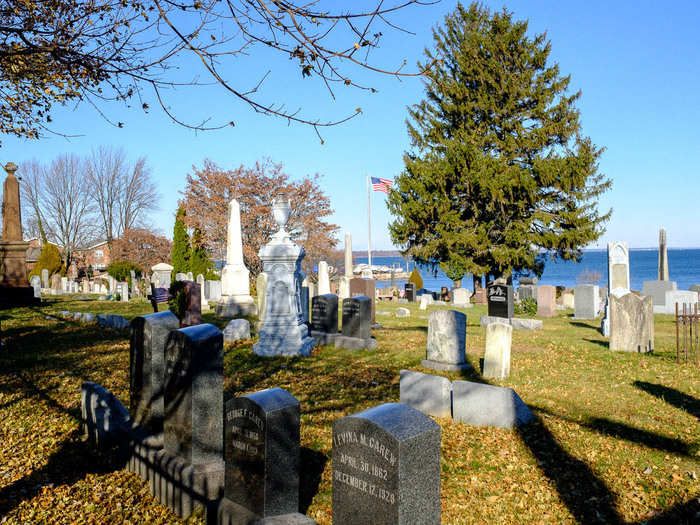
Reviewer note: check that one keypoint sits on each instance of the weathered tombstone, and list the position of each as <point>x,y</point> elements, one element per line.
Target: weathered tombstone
<point>44,278</point>
<point>568,300</point>
<point>162,273</point>
<point>55,284</point>
<point>488,405</point>
<point>500,300</point>
<point>386,467</point>
<point>460,298</point>
<point>324,318</point>
<point>631,323</point>
<point>306,292</point>
<point>149,334</point>
<point>64,284</point>
<point>364,287</point>
<point>497,355</point>
<point>190,277</point>
<point>410,292</point>
<point>262,452</point>
<point>586,301</point>
<point>86,286</point>
<point>194,406</point>
<point>193,313</point>
<point>426,300</point>
<point>283,331</point>
<point>447,341</point>
<point>403,312</point>
<point>124,291</point>
<point>261,290</point>
<point>618,267</point>
<point>237,329</point>
<point>356,325</point>
<point>546,301</point>
<point>213,290</point>
<point>204,304</point>
<point>324,283</point>
<point>680,298</point>
<point>35,283</point>
<point>527,291</point>
<point>657,290</point>
<point>181,276</point>
<point>480,296</point>
<point>430,394</point>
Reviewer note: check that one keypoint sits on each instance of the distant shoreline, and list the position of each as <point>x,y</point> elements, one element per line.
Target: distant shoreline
<point>397,253</point>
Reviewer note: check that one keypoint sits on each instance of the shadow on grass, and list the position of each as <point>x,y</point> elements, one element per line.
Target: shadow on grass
<point>687,513</point>
<point>312,465</point>
<point>672,396</point>
<point>604,344</point>
<point>583,325</point>
<point>587,497</point>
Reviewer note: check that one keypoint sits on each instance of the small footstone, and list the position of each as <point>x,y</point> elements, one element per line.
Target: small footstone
<point>489,406</point>
<point>236,330</point>
<point>403,312</point>
<point>426,392</point>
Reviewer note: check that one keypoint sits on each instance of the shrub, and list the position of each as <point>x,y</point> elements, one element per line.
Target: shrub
<point>121,270</point>
<point>177,303</point>
<point>527,306</point>
<point>416,279</point>
<point>49,258</point>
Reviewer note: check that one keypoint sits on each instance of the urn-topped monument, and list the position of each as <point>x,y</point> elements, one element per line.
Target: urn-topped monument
<point>235,285</point>
<point>14,287</point>
<point>283,330</point>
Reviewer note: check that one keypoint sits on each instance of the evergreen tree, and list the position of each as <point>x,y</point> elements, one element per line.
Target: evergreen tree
<point>499,174</point>
<point>181,244</point>
<point>50,259</point>
<point>199,260</point>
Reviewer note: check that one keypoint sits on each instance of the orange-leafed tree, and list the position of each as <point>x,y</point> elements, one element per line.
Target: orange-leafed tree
<point>142,247</point>
<point>209,190</point>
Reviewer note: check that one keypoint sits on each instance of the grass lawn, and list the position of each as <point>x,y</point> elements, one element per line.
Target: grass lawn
<point>617,437</point>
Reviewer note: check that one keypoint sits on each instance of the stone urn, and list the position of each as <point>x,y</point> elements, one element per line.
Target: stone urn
<point>281,211</point>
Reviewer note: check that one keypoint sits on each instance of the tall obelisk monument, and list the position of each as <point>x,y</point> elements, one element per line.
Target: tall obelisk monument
<point>663,256</point>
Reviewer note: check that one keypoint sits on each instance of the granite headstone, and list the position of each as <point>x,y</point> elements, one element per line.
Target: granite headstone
<point>500,300</point>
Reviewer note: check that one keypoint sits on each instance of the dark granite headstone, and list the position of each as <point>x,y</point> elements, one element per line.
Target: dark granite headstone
<point>364,287</point>
<point>149,334</point>
<point>262,452</point>
<point>500,300</point>
<point>193,314</point>
<point>386,467</point>
<point>194,401</point>
<point>356,317</point>
<point>324,313</point>
<point>410,292</point>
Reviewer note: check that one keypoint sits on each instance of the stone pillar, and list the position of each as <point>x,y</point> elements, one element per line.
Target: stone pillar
<point>344,282</point>
<point>235,285</point>
<point>13,250</point>
<point>324,284</point>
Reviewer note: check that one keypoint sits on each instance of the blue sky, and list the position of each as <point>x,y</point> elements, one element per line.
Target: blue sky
<point>637,65</point>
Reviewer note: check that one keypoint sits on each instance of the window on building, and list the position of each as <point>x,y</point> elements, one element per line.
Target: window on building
<point>98,254</point>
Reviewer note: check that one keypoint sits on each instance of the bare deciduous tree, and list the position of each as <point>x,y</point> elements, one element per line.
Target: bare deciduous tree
<point>123,193</point>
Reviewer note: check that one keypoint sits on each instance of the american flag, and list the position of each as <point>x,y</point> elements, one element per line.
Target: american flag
<point>381,184</point>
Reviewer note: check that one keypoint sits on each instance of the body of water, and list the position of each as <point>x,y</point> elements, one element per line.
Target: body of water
<point>683,267</point>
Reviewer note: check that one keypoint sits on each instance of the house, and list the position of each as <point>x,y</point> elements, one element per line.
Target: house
<point>98,256</point>
<point>33,252</point>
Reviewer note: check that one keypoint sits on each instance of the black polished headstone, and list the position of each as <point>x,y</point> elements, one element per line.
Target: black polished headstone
<point>149,334</point>
<point>262,452</point>
<point>357,317</point>
<point>364,287</point>
<point>410,292</point>
<point>194,401</point>
<point>324,313</point>
<point>500,300</point>
<point>386,467</point>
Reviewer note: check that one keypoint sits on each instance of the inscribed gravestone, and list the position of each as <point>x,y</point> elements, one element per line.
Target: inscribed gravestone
<point>356,334</point>
<point>149,334</point>
<point>480,296</point>
<point>193,313</point>
<point>410,292</point>
<point>500,300</point>
<point>386,467</point>
<point>586,301</point>
<point>546,301</point>
<point>193,394</point>
<point>35,282</point>
<point>447,340</point>
<point>631,323</point>
<point>618,266</point>
<point>497,355</point>
<point>364,287</point>
<point>460,297</point>
<point>262,452</point>
<point>261,290</point>
<point>324,314</point>
<point>44,278</point>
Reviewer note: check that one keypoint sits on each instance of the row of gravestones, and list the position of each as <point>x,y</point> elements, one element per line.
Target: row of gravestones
<point>241,460</point>
<point>459,296</point>
<point>356,327</point>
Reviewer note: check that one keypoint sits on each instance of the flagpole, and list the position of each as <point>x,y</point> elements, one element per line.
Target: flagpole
<point>369,228</point>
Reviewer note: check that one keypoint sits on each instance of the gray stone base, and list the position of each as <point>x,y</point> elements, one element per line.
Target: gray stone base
<point>376,326</point>
<point>355,343</point>
<point>323,338</point>
<point>228,307</point>
<point>517,323</point>
<point>230,513</point>
<point>445,367</point>
<point>462,305</point>
<point>428,393</point>
<point>487,405</point>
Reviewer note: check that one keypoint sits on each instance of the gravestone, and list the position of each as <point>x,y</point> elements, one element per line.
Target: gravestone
<point>64,284</point>
<point>567,300</point>
<point>213,290</point>
<point>657,290</point>
<point>124,291</point>
<point>56,283</point>
<point>460,298</point>
<point>162,273</point>
<point>480,296</point>
<point>488,405</point>
<point>364,287</point>
<point>586,301</point>
<point>180,276</point>
<point>35,283</point>
<point>527,291</point>
<point>149,334</point>
<point>386,467</point>
<point>324,283</point>
<point>618,267</point>
<point>679,297</point>
<point>324,318</point>
<point>426,300</point>
<point>283,330</point>
<point>190,277</point>
<point>44,278</point>
<point>307,291</point>
<point>529,281</point>
<point>344,283</point>
<point>193,313</point>
<point>261,290</point>
<point>356,325</point>
<point>500,300</point>
<point>262,452</point>
<point>204,304</point>
<point>428,393</point>
<point>631,323</point>
<point>86,286</point>
<point>497,355</point>
<point>236,330</point>
<point>546,301</point>
<point>410,292</point>
<point>447,340</point>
